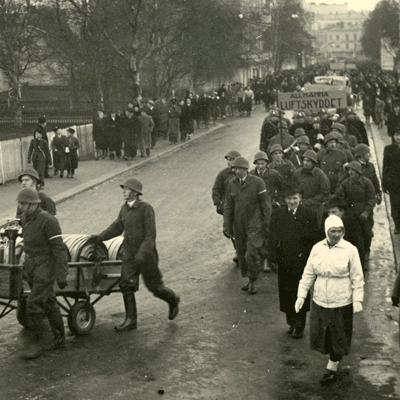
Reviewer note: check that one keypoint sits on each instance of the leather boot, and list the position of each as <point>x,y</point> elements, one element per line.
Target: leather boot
<point>57,327</point>
<point>171,298</point>
<point>33,349</point>
<point>130,313</point>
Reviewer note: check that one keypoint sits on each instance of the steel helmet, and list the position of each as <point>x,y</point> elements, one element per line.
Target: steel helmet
<point>340,138</point>
<point>303,139</point>
<point>30,172</point>
<point>261,155</point>
<point>28,195</point>
<point>355,165</point>
<point>232,154</point>
<point>337,126</point>
<point>241,162</point>
<point>330,136</point>
<point>360,150</point>
<point>275,147</point>
<point>299,132</point>
<point>312,155</point>
<point>134,185</point>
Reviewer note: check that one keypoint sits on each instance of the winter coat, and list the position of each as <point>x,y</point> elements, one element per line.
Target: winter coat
<point>268,130</point>
<point>336,274</point>
<point>359,194</point>
<point>391,168</point>
<point>315,186</point>
<point>290,243</point>
<point>220,187</point>
<point>39,151</point>
<point>331,163</point>
<point>273,182</point>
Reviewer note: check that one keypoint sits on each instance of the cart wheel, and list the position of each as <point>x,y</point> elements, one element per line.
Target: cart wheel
<point>81,318</point>
<point>21,312</point>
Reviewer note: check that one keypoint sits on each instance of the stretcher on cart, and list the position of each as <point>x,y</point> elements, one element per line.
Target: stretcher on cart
<point>94,272</point>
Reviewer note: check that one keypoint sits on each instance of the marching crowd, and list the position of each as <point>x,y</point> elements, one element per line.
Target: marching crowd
<point>306,211</point>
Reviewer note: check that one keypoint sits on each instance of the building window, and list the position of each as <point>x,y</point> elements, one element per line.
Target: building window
<point>337,37</point>
<point>355,36</point>
<point>347,38</point>
<point>347,46</point>
<point>256,73</point>
<point>330,37</point>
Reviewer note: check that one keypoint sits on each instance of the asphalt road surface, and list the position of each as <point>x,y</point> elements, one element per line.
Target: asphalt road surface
<point>224,344</point>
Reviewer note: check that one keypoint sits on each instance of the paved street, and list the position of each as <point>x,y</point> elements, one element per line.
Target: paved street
<point>224,344</point>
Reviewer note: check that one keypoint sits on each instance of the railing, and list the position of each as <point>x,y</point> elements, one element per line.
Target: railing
<point>14,152</point>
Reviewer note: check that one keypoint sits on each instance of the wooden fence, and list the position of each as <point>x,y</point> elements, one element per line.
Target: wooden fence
<point>14,152</point>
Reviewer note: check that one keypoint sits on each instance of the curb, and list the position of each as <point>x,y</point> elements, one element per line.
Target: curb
<point>64,196</point>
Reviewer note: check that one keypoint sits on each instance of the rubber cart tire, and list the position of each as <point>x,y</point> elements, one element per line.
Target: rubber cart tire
<point>21,312</point>
<point>81,318</point>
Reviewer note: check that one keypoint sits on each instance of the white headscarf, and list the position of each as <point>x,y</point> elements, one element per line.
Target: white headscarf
<point>333,221</point>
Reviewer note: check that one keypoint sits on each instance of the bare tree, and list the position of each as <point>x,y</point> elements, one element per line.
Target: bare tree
<point>21,46</point>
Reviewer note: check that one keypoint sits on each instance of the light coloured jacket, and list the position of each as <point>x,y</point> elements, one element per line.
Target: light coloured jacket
<point>337,274</point>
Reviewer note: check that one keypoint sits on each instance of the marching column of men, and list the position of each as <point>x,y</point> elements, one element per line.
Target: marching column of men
<point>305,173</point>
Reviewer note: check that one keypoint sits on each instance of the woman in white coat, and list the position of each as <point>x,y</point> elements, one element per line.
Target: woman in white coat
<point>334,267</point>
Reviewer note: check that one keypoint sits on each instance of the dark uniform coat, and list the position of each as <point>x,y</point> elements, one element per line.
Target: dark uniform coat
<point>268,131</point>
<point>46,260</point>
<point>331,163</point>
<point>247,213</point>
<point>290,243</point>
<point>137,223</point>
<point>273,182</point>
<point>220,186</point>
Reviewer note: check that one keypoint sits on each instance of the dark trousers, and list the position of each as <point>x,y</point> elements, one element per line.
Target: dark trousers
<point>395,208</point>
<point>40,164</point>
<point>297,320</point>
<point>366,231</point>
<point>154,136</point>
<point>130,149</point>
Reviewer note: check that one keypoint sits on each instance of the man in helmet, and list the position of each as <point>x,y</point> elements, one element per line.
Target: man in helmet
<point>30,178</point>
<point>331,160</point>
<point>46,262</point>
<point>222,180</point>
<point>274,185</point>
<point>269,129</point>
<point>359,194</point>
<point>221,184</point>
<point>247,212</point>
<point>313,182</point>
<point>136,220</point>
<point>362,155</point>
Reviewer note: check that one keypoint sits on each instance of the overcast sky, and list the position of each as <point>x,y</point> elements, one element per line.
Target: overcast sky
<point>352,4</point>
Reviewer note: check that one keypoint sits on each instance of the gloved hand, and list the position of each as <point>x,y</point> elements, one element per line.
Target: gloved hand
<point>378,198</point>
<point>227,234</point>
<point>320,136</point>
<point>395,301</point>
<point>219,209</point>
<point>62,283</point>
<point>95,239</point>
<point>364,215</point>
<point>299,304</point>
<point>357,307</point>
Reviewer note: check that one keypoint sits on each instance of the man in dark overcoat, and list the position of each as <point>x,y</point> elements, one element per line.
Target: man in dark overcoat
<point>294,231</point>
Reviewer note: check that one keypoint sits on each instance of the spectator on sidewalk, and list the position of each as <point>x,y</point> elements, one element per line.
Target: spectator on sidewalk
<point>146,128</point>
<point>112,125</point>
<point>187,120</point>
<point>100,135</point>
<point>130,132</point>
<point>174,122</point>
<point>39,155</point>
<point>153,112</point>
<point>58,145</point>
<point>391,177</point>
<point>163,112</point>
<point>71,153</point>
<point>41,127</point>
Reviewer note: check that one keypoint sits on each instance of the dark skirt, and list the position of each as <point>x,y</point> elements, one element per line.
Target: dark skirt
<point>331,329</point>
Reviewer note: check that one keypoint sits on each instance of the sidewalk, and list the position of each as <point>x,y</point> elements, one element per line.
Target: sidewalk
<point>380,140</point>
<point>89,174</point>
